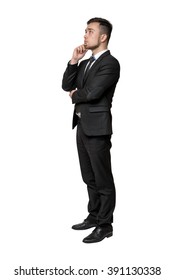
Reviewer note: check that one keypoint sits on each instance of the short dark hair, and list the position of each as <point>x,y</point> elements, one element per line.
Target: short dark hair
<point>106,26</point>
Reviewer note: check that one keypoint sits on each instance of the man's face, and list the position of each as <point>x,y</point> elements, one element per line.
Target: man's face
<point>92,36</point>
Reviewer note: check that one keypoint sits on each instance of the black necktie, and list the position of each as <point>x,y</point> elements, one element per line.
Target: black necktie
<point>91,60</point>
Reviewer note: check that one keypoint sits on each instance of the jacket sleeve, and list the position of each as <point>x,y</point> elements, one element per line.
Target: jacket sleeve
<point>105,77</point>
<point>69,77</point>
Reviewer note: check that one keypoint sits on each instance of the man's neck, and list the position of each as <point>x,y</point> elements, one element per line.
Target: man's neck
<point>99,49</point>
<point>97,55</point>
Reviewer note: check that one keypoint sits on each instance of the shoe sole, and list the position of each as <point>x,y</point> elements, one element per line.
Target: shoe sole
<point>107,235</point>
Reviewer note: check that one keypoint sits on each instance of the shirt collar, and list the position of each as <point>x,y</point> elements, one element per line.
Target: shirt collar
<point>97,55</point>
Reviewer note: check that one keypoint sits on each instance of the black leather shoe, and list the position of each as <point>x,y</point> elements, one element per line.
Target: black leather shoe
<point>98,234</point>
<point>84,225</point>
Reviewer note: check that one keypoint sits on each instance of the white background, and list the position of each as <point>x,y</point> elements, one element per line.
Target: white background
<point>41,190</point>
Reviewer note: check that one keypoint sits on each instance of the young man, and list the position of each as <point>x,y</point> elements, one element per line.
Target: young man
<point>91,84</point>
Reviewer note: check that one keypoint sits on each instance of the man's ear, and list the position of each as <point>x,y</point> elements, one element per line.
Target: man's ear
<point>103,37</point>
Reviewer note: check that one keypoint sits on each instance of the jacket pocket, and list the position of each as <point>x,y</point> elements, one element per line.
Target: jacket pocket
<point>98,109</point>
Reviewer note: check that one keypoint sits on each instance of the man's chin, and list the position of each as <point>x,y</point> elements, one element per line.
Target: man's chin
<point>87,47</point>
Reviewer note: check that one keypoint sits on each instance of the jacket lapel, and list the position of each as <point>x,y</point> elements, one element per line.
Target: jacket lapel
<point>95,64</point>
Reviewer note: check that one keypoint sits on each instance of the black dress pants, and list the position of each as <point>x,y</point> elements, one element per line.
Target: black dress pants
<point>95,164</point>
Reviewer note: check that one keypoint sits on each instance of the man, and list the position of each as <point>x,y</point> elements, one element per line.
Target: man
<point>91,84</point>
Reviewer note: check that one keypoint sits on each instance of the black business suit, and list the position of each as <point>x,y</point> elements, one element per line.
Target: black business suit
<point>93,99</point>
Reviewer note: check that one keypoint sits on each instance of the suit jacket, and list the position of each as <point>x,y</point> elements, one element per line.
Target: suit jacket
<point>93,98</point>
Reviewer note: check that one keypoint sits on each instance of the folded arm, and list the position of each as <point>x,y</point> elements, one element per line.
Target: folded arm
<point>96,87</point>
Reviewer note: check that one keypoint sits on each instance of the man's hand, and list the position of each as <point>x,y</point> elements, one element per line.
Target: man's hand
<point>78,54</point>
<point>71,92</point>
